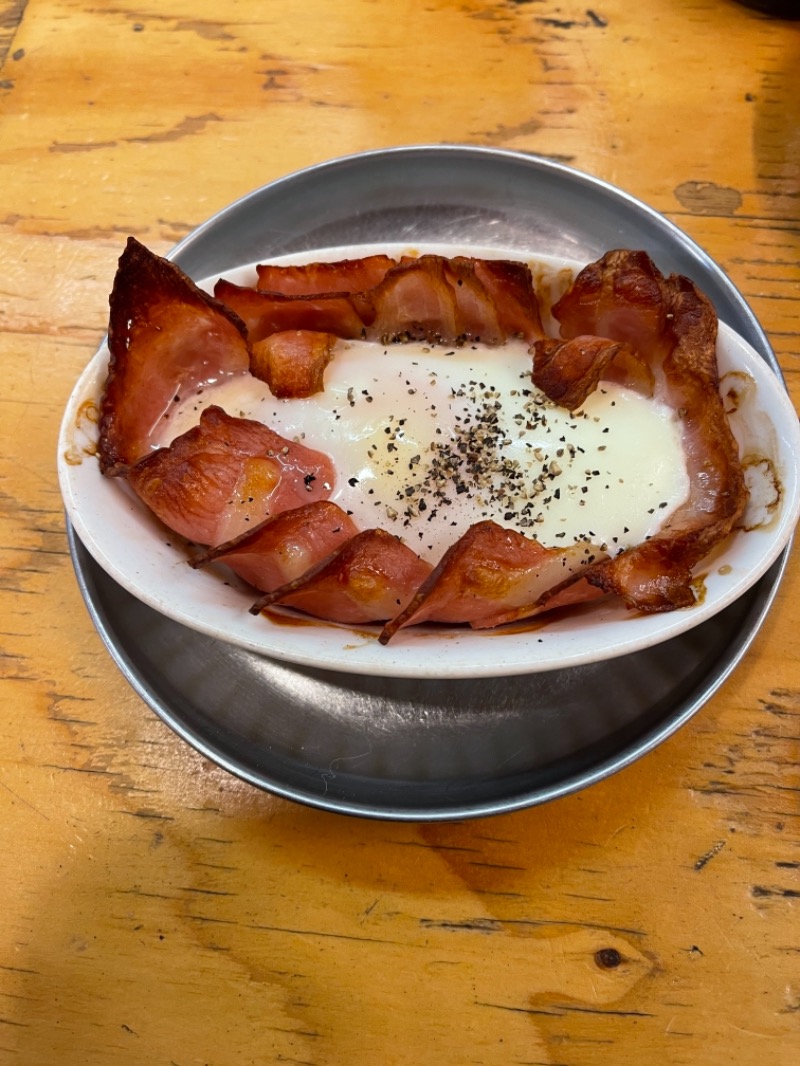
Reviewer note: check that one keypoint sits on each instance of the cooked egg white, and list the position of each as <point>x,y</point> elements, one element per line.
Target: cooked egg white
<point>428,440</point>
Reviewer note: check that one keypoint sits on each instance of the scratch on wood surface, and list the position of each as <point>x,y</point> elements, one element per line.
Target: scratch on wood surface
<point>99,770</point>
<point>321,933</point>
<point>557,1013</point>
<point>777,891</point>
<point>709,855</point>
<point>148,815</point>
<point>573,1009</point>
<point>502,134</point>
<point>475,925</point>
<point>187,127</point>
<point>21,799</point>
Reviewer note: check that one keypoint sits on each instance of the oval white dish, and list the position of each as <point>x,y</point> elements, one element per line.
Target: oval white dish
<point>135,550</point>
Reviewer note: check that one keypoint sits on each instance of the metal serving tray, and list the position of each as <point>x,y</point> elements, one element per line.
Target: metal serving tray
<point>421,749</point>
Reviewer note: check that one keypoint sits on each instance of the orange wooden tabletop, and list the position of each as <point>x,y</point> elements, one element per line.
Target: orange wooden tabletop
<point>156,910</point>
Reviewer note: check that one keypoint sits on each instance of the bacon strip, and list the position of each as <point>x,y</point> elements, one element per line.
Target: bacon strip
<point>345,275</point>
<point>227,474</point>
<point>450,301</point>
<point>167,338</point>
<point>567,372</point>
<point>674,328</point>
<point>293,362</point>
<point>285,546</point>
<point>366,580</point>
<point>270,312</point>
<point>415,301</point>
<point>509,286</point>
<point>429,298</point>
<point>490,575</point>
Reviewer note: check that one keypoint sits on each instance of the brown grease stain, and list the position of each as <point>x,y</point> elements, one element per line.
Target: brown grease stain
<point>699,589</point>
<point>278,618</point>
<point>734,395</point>
<point>771,474</point>
<point>89,412</point>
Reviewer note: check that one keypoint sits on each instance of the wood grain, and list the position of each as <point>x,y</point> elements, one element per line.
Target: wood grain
<point>156,910</point>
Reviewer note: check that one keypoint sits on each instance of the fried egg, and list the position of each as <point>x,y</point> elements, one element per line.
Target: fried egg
<point>427,440</point>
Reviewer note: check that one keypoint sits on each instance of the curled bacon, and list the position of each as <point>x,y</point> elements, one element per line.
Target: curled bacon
<point>368,579</point>
<point>568,371</point>
<point>285,546</point>
<point>293,362</point>
<point>224,475</point>
<point>489,576</point>
<point>271,312</point>
<point>167,338</point>
<point>344,275</point>
<point>510,288</point>
<point>674,328</point>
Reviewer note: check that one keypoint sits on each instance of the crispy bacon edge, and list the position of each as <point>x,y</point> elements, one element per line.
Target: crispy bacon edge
<point>140,348</point>
<point>673,326</point>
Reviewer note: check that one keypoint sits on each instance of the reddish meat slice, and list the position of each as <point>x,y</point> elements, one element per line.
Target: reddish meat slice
<point>227,474</point>
<point>293,362</point>
<point>269,312</point>
<point>567,372</point>
<point>367,580</point>
<point>477,315</point>
<point>345,275</point>
<point>491,574</point>
<point>623,297</point>
<point>454,300</point>
<point>573,592</point>
<point>674,328</point>
<point>510,288</point>
<point>284,546</point>
<point>429,298</point>
<point>415,301</point>
<point>167,338</point>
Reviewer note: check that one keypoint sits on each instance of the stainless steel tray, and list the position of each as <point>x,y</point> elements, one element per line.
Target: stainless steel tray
<point>408,749</point>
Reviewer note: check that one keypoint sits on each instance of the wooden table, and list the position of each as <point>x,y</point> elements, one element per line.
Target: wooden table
<point>158,911</point>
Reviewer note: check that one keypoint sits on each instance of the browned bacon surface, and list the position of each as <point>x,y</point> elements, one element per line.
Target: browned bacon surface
<point>270,312</point>
<point>367,580</point>
<point>429,298</point>
<point>454,300</point>
<point>228,474</point>
<point>415,301</point>
<point>293,362</point>
<point>674,328</point>
<point>344,275</point>
<point>489,576</point>
<point>285,546</point>
<point>167,339</point>
<point>510,288</point>
<point>567,372</point>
